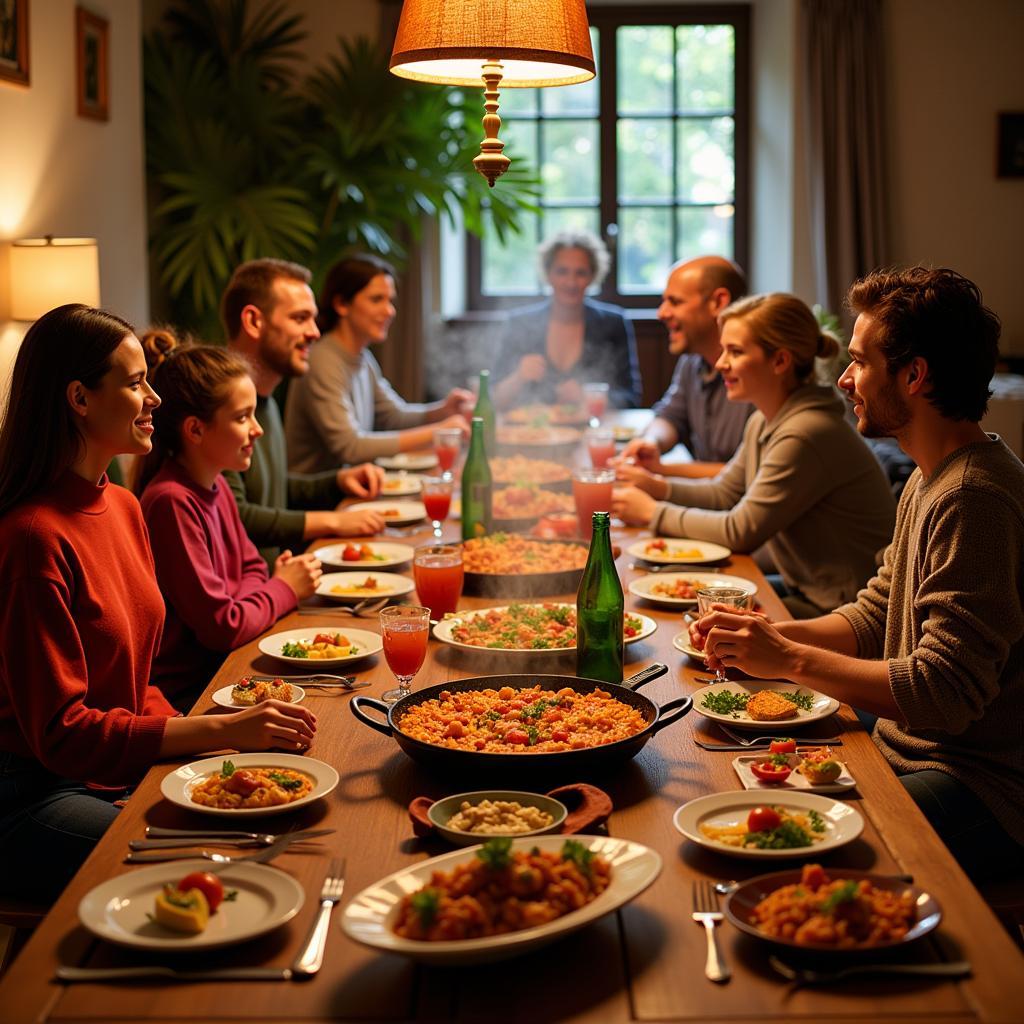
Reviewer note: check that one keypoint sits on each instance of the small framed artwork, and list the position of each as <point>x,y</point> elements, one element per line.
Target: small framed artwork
<point>92,71</point>
<point>1010,153</point>
<point>14,41</point>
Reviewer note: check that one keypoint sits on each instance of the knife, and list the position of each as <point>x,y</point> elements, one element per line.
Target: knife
<point>211,840</point>
<point>73,974</point>
<point>261,856</point>
<point>750,750</point>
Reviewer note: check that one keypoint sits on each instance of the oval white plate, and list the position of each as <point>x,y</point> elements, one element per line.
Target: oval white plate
<point>443,632</point>
<point>391,555</point>
<point>389,584</point>
<point>641,587</point>
<point>117,909</point>
<point>708,552</point>
<point>404,511</point>
<point>681,642</point>
<point>177,786</point>
<point>366,642</point>
<point>398,484</point>
<point>794,781</point>
<point>823,706</point>
<point>842,822</point>
<point>408,461</point>
<point>367,919</point>
<point>222,697</point>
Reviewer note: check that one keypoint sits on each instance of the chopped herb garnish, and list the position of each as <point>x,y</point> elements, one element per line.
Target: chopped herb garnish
<point>426,904</point>
<point>725,702</point>
<point>531,731</point>
<point>846,893</point>
<point>227,769</point>
<point>787,836</point>
<point>290,650</point>
<point>284,781</point>
<point>578,854</point>
<point>496,853</point>
<point>817,823</point>
<point>801,700</point>
<point>536,709</point>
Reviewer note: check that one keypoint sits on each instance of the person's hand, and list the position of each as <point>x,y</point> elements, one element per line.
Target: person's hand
<point>532,368</point>
<point>363,481</point>
<point>301,572</point>
<point>569,392</point>
<point>656,486</point>
<point>640,452</point>
<point>745,640</point>
<point>697,637</point>
<point>360,523</point>
<point>633,506</point>
<point>454,422</point>
<point>272,725</point>
<point>458,401</point>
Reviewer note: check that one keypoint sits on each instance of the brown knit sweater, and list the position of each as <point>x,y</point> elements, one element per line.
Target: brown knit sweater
<point>946,610</point>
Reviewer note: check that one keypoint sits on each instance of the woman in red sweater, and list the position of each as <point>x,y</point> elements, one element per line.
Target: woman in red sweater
<point>81,616</point>
<point>215,584</point>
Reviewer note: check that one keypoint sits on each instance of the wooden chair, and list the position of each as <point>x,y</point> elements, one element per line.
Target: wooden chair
<point>17,922</point>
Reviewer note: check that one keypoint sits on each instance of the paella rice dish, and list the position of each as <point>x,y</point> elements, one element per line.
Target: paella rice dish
<point>509,554</point>
<point>511,721</point>
<point>542,436</point>
<point>678,589</point>
<point>528,627</point>
<point>501,890</point>
<point>526,502</point>
<point>518,469</point>
<point>246,788</point>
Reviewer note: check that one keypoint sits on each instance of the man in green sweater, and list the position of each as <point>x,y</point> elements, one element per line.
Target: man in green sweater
<point>934,644</point>
<point>269,317</point>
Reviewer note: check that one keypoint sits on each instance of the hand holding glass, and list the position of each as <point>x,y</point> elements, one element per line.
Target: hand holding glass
<point>436,495</point>
<point>404,630</point>
<point>731,596</point>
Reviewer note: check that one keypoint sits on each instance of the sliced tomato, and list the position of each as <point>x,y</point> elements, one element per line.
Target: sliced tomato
<point>325,638</point>
<point>782,745</point>
<point>351,554</point>
<point>768,772</point>
<point>560,736</point>
<point>208,884</point>
<point>763,819</point>
<point>519,736</point>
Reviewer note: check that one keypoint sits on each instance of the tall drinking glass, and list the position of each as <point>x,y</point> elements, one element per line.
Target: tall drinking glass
<point>600,443</point>
<point>404,629</point>
<point>447,445</point>
<point>438,574</point>
<point>436,495</point>
<point>592,491</point>
<point>732,596</point>
<point>595,401</point>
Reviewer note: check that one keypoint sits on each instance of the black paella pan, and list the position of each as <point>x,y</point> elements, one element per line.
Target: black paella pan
<point>656,717</point>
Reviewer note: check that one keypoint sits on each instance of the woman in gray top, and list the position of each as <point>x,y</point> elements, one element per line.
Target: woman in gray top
<point>344,410</point>
<point>802,481</point>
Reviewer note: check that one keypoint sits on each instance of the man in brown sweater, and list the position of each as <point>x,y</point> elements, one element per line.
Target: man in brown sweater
<point>934,645</point>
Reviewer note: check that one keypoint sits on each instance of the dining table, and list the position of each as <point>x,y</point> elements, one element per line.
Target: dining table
<point>643,962</point>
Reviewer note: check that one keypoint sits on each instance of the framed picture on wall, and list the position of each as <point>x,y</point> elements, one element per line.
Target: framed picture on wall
<point>92,66</point>
<point>1010,155</point>
<point>14,41</point>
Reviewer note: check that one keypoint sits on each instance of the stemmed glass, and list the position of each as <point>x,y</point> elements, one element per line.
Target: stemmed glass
<point>404,629</point>
<point>595,400</point>
<point>601,446</point>
<point>734,597</point>
<point>447,445</point>
<point>436,495</point>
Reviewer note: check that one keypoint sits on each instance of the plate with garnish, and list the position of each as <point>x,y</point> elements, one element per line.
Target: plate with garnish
<point>394,513</point>
<point>378,555</point>
<point>678,551</point>
<point>317,648</point>
<point>349,587</point>
<point>762,705</point>
<point>409,462</point>
<point>679,589</point>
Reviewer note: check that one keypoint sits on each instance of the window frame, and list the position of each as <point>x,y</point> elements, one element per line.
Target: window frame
<point>607,20</point>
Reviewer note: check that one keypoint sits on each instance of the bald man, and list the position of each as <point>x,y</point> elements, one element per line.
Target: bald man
<point>695,410</point>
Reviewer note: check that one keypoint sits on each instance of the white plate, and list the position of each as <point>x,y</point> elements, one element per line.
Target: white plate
<point>707,552</point>
<point>842,822</point>
<point>367,919</point>
<point>391,555</point>
<point>794,781</point>
<point>117,909</point>
<point>443,631</point>
<point>365,642</point>
<point>405,511</point>
<point>822,707</point>
<point>177,786</point>
<point>398,484</point>
<point>641,587</point>
<point>389,584</point>
<point>681,642</point>
<point>222,697</point>
<point>408,461</point>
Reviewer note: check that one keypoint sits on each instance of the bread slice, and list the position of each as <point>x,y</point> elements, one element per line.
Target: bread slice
<point>769,706</point>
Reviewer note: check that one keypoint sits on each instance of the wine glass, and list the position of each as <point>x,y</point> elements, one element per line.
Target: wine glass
<point>436,495</point>
<point>447,445</point>
<point>732,596</point>
<point>595,400</point>
<point>404,629</point>
<point>600,443</point>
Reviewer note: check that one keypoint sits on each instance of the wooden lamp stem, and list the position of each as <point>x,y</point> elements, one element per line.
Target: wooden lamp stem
<point>490,161</point>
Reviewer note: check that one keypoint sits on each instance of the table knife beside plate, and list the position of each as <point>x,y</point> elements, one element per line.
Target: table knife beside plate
<point>152,973</point>
<point>215,840</point>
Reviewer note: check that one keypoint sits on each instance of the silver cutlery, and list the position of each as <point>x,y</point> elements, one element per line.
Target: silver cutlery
<point>335,686</point>
<point>706,912</point>
<point>368,606</point>
<point>748,741</point>
<point>308,962</point>
<point>261,857</point>
<point>831,740</point>
<point>805,976</point>
<point>74,974</point>
<point>403,531</point>
<point>257,839</point>
<point>313,680</point>
<point>156,832</point>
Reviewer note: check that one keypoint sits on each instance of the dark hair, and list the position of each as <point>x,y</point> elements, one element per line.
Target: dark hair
<point>723,274</point>
<point>39,437</point>
<point>936,315</point>
<point>345,280</point>
<point>191,380</point>
<point>252,284</point>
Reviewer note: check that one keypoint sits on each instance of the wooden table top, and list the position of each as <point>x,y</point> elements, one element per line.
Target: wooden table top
<point>644,962</point>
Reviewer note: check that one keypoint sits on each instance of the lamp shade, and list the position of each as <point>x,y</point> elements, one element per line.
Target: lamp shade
<point>48,272</point>
<point>537,42</point>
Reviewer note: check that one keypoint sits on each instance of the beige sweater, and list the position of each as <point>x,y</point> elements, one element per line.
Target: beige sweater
<point>805,485</point>
<point>946,610</point>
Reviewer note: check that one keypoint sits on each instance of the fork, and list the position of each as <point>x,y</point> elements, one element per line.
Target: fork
<point>310,681</point>
<point>308,962</point>
<point>221,859</point>
<point>805,976</point>
<point>745,741</point>
<point>361,609</point>
<point>253,839</point>
<point>706,912</point>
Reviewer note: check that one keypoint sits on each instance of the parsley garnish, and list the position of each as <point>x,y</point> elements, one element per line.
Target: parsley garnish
<point>426,904</point>
<point>283,781</point>
<point>496,853</point>
<point>787,836</point>
<point>725,702</point>
<point>817,824</point>
<point>846,893</point>
<point>291,650</point>
<point>578,854</point>
<point>227,769</point>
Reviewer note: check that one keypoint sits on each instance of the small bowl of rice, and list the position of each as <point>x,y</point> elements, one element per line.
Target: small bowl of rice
<point>466,819</point>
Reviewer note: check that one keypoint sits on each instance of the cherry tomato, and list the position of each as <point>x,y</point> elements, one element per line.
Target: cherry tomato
<point>326,638</point>
<point>763,819</point>
<point>208,884</point>
<point>560,736</point>
<point>771,773</point>
<point>242,782</point>
<point>782,746</point>
<point>351,553</point>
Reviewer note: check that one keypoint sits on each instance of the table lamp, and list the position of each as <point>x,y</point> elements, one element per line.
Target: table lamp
<point>48,272</point>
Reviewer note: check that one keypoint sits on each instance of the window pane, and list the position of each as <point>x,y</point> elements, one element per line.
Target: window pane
<point>705,168</point>
<point>644,249</point>
<point>510,269</point>
<point>644,54</point>
<point>569,219</point>
<point>645,159</point>
<point>581,99</point>
<point>520,138</point>
<point>705,231</point>
<point>513,101</point>
<point>704,67</point>
<point>570,156</point>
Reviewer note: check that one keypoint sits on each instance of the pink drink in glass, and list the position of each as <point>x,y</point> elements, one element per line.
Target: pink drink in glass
<point>447,445</point>
<point>405,647</point>
<point>592,491</point>
<point>595,400</point>
<point>438,574</point>
<point>601,446</point>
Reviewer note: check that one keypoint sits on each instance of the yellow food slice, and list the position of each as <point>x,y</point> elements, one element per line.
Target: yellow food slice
<point>182,911</point>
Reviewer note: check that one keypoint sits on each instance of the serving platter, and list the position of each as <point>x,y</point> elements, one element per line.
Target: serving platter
<point>394,513</point>
<point>821,707</point>
<point>644,586</point>
<point>367,643</point>
<point>795,781</point>
<point>679,551</point>
<point>391,555</point>
<point>389,584</point>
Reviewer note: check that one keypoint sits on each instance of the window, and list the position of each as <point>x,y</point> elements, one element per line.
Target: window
<point>651,154</point>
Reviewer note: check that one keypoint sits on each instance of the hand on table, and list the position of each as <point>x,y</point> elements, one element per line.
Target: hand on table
<point>640,452</point>
<point>633,506</point>
<point>272,725</point>
<point>364,481</point>
<point>361,523</point>
<point>532,368</point>
<point>731,638</point>
<point>301,572</point>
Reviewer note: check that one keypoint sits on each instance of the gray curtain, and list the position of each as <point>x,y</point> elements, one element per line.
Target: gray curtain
<point>843,61</point>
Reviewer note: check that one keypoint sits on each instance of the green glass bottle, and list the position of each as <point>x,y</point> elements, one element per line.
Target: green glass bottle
<point>599,610</point>
<point>485,409</point>
<point>476,486</point>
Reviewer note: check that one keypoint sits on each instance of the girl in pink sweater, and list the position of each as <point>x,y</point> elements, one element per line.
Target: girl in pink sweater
<point>215,585</point>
